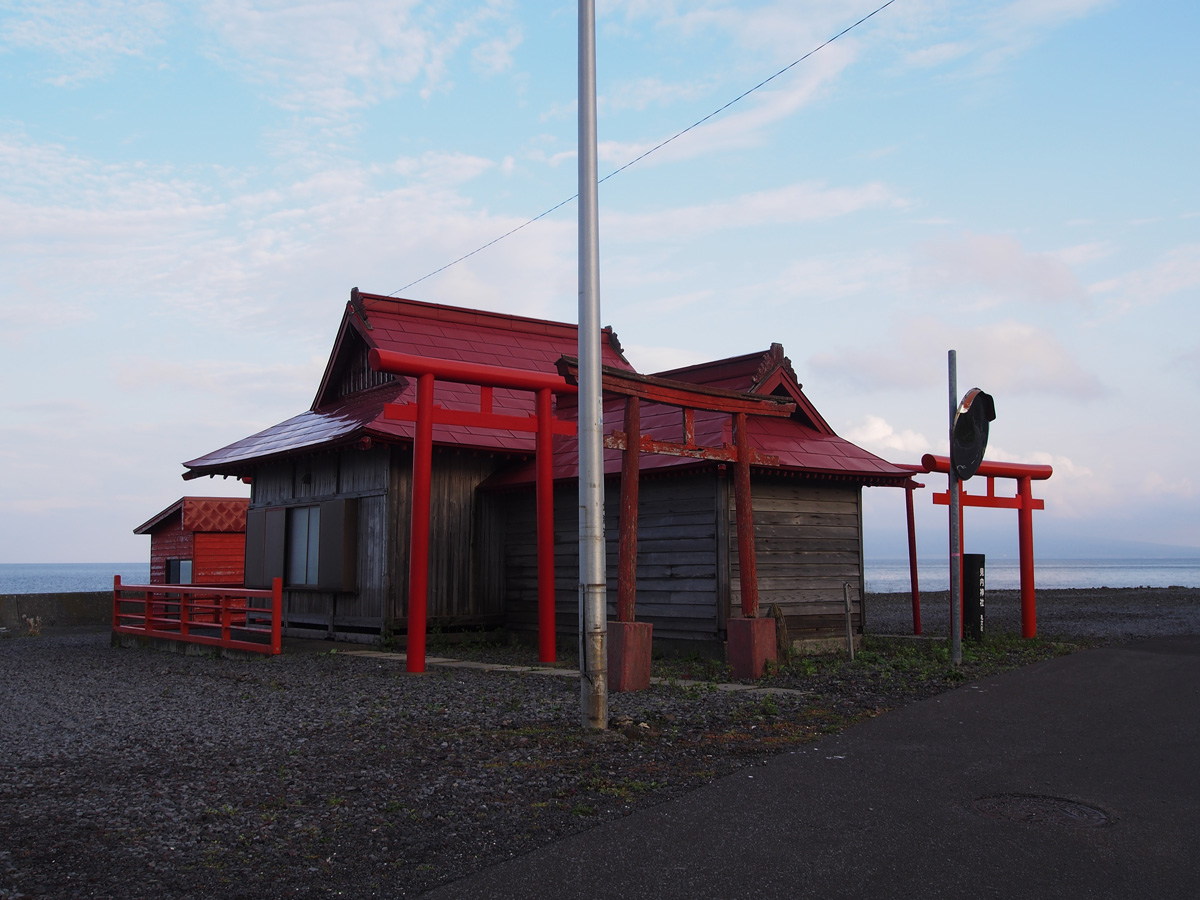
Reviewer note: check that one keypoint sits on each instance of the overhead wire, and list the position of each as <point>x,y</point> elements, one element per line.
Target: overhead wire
<point>655,148</point>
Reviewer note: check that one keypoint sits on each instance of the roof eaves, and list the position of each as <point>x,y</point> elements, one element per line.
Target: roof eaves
<point>176,507</point>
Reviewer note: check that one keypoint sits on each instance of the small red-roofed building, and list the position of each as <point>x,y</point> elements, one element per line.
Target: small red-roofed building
<point>198,540</point>
<point>332,490</point>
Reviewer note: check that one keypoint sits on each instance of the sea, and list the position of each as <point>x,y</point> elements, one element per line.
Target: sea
<point>68,578</point>
<point>883,575</point>
<point>1003,573</point>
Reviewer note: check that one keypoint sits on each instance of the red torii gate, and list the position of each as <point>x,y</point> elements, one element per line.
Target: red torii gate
<point>425,413</point>
<point>1023,502</point>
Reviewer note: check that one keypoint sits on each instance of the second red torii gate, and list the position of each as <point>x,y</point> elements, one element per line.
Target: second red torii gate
<point>1023,502</point>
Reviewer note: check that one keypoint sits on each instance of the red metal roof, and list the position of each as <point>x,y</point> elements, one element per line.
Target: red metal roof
<point>202,514</point>
<point>424,329</point>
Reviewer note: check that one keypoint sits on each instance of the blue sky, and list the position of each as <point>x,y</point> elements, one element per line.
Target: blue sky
<point>188,191</point>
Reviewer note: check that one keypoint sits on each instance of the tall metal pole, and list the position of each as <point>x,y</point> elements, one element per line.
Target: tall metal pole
<point>955,535</point>
<point>593,624</point>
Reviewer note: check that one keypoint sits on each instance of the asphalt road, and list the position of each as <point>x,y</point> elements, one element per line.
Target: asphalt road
<point>995,790</point>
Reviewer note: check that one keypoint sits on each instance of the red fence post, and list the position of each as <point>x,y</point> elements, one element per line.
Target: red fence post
<point>1025,545</point>
<point>628,523</point>
<point>747,563</point>
<point>418,546</point>
<point>545,527</point>
<point>225,604</point>
<point>116,609</point>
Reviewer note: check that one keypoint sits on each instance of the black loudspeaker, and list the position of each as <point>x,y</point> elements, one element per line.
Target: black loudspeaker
<point>971,432</point>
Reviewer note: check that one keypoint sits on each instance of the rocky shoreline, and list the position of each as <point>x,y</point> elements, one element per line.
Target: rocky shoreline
<point>132,773</point>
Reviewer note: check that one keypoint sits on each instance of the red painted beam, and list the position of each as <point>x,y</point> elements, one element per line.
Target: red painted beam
<point>933,463</point>
<point>628,523</point>
<point>418,542</point>
<point>467,373</point>
<point>912,555</point>
<point>545,528</point>
<point>747,562</point>
<point>1025,545</point>
<point>683,394</point>
<point>943,499</point>
<point>408,412</point>
<point>617,441</point>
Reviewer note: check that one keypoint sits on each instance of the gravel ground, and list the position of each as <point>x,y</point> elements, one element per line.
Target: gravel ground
<point>132,773</point>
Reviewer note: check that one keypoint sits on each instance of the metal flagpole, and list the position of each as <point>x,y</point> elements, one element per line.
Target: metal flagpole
<point>593,624</point>
<point>955,536</point>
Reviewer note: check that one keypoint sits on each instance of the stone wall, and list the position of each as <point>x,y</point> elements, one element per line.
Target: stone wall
<point>55,610</point>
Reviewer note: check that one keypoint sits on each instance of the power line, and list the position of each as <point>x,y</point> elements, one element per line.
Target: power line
<point>656,147</point>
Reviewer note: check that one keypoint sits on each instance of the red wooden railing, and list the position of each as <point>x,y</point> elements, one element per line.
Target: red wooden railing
<point>217,615</point>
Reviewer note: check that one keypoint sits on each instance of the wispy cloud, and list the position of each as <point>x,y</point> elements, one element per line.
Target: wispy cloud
<point>997,269</point>
<point>333,57</point>
<point>879,436</point>
<point>85,37</point>
<point>1175,272</point>
<point>803,202</point>
<point>746,125</point>
<point>1007,356</point>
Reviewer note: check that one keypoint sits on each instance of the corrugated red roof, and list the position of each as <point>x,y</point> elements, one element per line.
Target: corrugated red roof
<point>804,442</point>
<point>423,329</point>
<point>342,415</point>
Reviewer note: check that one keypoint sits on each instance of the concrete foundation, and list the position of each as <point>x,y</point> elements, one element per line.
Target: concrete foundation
<point>751,643</point>
<point>629,655</point>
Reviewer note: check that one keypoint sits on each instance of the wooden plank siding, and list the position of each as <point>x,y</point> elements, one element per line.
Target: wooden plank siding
<point>462,582</point>
<point>219,557</point>
<point>677,557</point>
<point>356,473</point>
<point>465,581</point>
<point>808,544</point>
<point>169,542</point>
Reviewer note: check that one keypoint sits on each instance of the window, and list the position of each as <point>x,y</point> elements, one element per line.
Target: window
<point>304,537</point>
<point>179,571</point>
<point>306,546</point>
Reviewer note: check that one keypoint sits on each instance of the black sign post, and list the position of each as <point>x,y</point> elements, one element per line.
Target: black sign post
<point>973,595</point>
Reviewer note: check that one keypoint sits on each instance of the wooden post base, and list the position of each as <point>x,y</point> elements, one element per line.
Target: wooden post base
<point>751,642</point>
<point>629,655</point>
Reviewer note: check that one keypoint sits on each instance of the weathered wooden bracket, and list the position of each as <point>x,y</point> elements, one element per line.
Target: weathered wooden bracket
<point>617,440</point>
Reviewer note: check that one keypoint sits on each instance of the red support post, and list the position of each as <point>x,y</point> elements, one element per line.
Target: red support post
<point>418,546</point>
<point>747,563</point>
<point>1025,545</point>
<point>912,556</point>
<point>545,526</point>
<point>628,523</point>
<point>276,615</point>
<point>116,606</point>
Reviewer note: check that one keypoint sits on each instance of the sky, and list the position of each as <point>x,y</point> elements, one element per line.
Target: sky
<point>189,190</point>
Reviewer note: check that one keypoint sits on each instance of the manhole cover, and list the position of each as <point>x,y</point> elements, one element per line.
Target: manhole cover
<point>1031,809</point>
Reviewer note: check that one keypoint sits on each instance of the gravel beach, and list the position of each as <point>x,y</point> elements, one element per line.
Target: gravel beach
<point>134,773</point>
